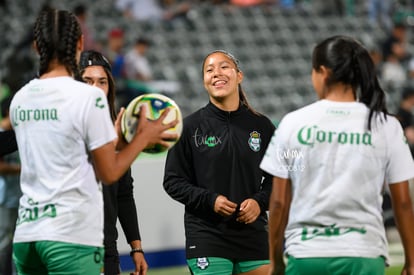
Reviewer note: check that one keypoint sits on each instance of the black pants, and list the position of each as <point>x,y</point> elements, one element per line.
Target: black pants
<point>111,263</point>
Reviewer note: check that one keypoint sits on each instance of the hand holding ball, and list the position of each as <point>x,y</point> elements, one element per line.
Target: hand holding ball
<point>156,105</point>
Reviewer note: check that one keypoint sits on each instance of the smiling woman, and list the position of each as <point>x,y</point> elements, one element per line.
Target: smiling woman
<point>214,171</point>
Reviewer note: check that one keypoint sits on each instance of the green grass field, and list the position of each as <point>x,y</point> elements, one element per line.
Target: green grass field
<point>181,270</point>
<point>393,270</point>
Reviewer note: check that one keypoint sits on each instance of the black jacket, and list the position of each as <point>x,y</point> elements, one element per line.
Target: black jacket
<point>8,143</point>
<point>219,153</point>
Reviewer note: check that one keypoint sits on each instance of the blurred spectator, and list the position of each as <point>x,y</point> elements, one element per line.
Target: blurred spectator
<point>345,7</point>
<point>140,10</point>
<point>379,12</point>
<point>9,196</point>
<point>248,3</point>
<point>373,48</point>
<point>174,9</point>
<point>405,115</point>
<point>139,72</point>
<point>137,65</point>
<point>152,11</point>
<point>393,72</point>
<point>395,55</point>
<point>115,52</point>
<point>21,65</point>
<point>337,7</point>
<point>81,13</point>
<point>376,56</point>
<point>398,34</point>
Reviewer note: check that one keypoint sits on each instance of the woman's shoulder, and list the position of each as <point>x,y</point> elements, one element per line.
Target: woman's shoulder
<point>389,121</point>
<point>303,112</point>
<point>262,119</point>
<point>195,116</point>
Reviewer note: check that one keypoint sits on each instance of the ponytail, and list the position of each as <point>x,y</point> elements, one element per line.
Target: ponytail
<point>370,91</point>
<point>351,64</point>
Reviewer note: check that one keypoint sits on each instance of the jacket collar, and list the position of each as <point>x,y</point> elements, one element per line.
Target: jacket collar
<point>225,114</point>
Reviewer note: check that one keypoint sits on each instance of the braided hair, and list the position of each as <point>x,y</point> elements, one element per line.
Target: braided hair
<point>56,33</point>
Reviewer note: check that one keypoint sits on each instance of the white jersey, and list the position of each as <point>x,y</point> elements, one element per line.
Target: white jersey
<point>58,121</point>
<point>338,170</point>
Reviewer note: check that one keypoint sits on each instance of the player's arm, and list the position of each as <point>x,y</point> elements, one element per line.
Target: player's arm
<point>7,168</point>
<point>120,142</point>
<point>279,206</point>
<point>404,219</point>
<point>179,179</point>
<point>263,196</point>
<point>127,210</point>
<point>251,208</point>
<point>138,258</point>
<point>111,165</point>
<point>128,218</point>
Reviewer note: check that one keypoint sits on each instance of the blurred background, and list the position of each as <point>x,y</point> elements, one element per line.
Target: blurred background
<point>159,46</point>
<point>273,39</point>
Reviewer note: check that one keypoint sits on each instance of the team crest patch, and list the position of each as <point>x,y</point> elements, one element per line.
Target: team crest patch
<point>254,141</point>
<point>202,263</point>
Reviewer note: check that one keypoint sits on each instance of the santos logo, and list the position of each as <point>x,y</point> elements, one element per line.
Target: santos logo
<point>309,135</point>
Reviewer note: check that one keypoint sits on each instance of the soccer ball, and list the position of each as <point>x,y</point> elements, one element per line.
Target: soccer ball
<point>156,105</point>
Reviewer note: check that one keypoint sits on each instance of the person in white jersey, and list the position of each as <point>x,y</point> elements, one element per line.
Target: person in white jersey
<point>330,161</point>
<point>66,142</point>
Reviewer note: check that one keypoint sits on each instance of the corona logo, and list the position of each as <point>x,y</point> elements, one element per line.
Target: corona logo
<point>309,135</point>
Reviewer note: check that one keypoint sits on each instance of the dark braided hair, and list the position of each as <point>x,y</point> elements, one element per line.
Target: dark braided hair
<point>56,34</point>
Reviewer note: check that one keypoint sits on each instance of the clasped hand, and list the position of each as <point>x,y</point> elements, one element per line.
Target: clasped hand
<point>248,211</point>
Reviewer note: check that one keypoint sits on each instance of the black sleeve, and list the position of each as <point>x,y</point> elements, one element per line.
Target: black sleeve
<point>263,196</point>
<point>8,142</point>
<point>179,180</point>
<point>127,211</point>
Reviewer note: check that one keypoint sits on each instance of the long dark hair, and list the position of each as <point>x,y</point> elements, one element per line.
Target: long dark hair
<point>351,64</point>
<point>56,33</point>
<point>94,58</point>
<point>242,94</point>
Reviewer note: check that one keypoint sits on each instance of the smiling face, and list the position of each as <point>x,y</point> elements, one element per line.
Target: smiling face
<point>221,78</point>
<point>96,76</point>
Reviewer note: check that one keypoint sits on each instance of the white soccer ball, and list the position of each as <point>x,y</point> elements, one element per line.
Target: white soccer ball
<point>156,105</point>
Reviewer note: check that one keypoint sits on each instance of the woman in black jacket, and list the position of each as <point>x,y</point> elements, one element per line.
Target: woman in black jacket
<point>214,171</point>
<point>119,200</point>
